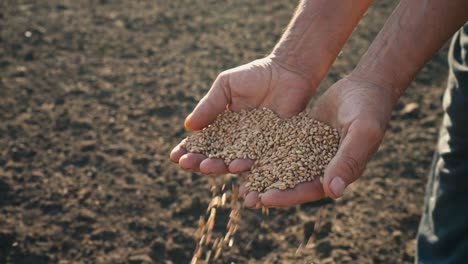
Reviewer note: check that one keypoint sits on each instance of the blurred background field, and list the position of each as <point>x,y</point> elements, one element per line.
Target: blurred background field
<point>93,95</point>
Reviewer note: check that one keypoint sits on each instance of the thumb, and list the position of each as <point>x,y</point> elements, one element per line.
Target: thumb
<point>210,106</point>
<point>361,140</point>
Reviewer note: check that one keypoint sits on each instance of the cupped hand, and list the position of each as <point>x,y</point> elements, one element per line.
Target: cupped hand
<point>261,83</point>
<point>360,111</point>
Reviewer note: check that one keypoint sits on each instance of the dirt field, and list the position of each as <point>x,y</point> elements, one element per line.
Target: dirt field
<point>93,95</point>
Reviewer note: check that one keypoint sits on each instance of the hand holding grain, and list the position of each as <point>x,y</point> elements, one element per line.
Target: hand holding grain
<point>360,111</point>
<point>261,83</point>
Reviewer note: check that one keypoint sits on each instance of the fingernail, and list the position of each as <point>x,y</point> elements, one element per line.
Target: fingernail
<point>186,122</point>
<point>258,204</point>
<point>337,186</point>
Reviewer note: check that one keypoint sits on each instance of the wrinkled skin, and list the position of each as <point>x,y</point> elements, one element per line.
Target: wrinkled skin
<point>360,111</point>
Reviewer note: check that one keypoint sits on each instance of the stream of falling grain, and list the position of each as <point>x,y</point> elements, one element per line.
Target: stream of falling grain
<point>286,152</point>
<point>208,246</point>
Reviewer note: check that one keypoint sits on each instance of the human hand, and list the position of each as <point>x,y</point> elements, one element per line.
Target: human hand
<point>261,83</point>
<point>360,111</point>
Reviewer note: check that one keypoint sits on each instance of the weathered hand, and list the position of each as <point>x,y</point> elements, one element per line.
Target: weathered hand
<point>261,83</point>
<point>360,111</point>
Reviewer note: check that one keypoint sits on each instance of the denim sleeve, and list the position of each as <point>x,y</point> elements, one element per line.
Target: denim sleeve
<point>443,231</point>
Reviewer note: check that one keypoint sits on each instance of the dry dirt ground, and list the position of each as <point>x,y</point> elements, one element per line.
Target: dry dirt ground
<point>93,95</point>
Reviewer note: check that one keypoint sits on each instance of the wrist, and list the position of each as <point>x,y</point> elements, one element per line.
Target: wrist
<point>393,88</point>
<point>312,74</point>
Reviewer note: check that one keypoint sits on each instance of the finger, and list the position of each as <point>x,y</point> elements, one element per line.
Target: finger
<point>176,153</point>
<point>301,193</point>
<point>191,161</point>
<point>243,190</point>
<point>210,106</point>
<point>251,200</point>
<point>361,140</point>
<point>240,165</point>
<point>213,166</point>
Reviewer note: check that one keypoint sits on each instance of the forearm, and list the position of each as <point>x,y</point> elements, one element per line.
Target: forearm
<point>316,35</point>
<point>409,38</point>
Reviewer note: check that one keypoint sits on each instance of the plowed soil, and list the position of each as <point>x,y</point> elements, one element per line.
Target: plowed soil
<point>93,95</point>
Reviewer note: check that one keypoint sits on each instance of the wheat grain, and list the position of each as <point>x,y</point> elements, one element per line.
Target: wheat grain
<point>286,151</point>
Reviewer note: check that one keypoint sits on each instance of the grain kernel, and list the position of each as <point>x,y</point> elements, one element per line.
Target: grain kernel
<point>287,151</point>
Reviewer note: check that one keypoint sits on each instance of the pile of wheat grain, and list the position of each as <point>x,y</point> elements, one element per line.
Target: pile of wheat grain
<point>286,151</point>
